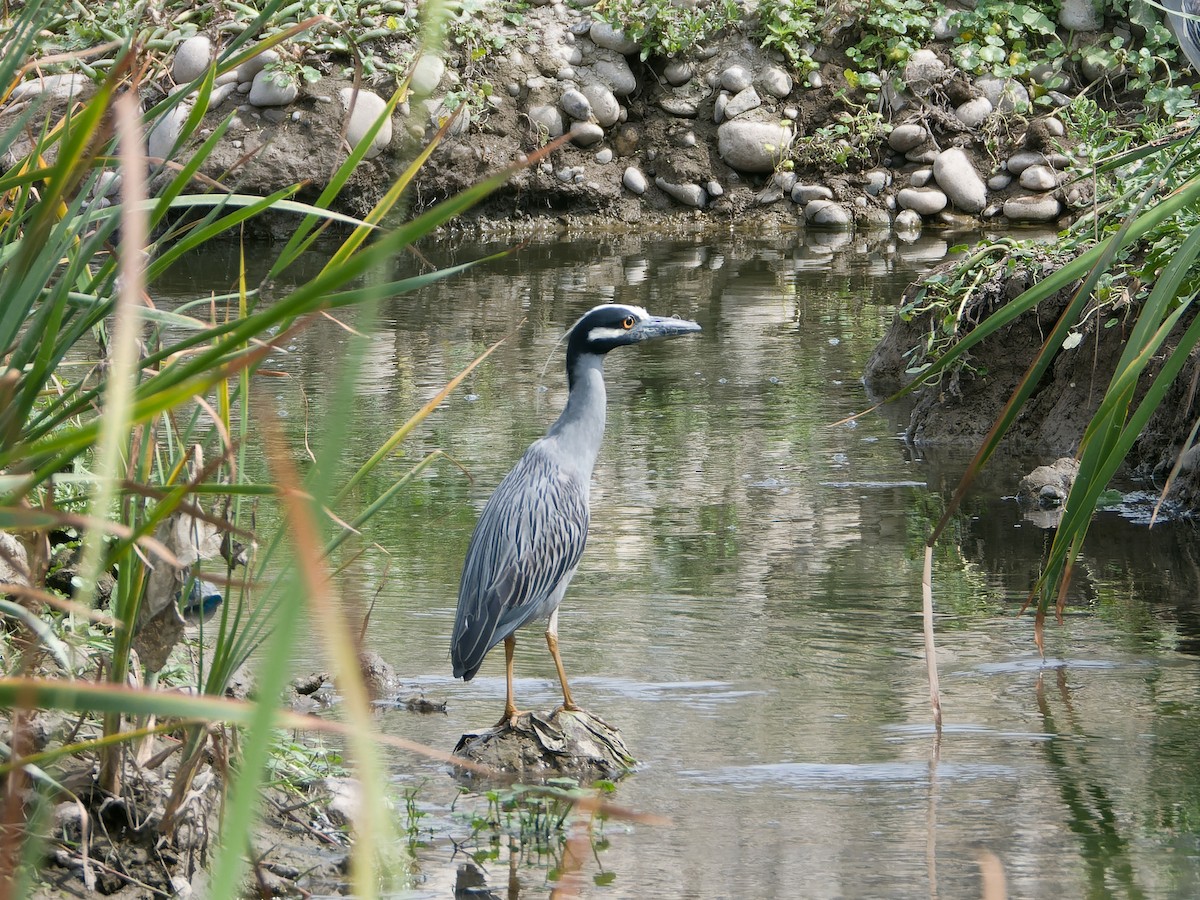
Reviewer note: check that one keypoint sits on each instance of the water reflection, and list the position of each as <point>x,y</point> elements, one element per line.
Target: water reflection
<point>747,608</point>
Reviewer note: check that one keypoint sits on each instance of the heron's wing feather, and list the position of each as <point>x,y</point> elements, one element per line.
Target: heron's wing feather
<point>528,541</point>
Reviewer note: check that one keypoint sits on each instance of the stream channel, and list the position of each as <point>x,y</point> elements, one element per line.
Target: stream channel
<point>747,612</point>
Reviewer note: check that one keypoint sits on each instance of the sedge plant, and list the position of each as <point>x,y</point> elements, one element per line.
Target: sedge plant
<point>154,432</point>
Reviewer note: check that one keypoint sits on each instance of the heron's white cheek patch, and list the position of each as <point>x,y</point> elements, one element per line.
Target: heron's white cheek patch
<point>605,334</point>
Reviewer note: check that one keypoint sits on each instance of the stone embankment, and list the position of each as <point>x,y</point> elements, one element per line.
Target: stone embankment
<point>726,132</point>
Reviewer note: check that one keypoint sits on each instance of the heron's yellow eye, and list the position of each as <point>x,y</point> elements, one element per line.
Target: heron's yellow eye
<point>628,323</point>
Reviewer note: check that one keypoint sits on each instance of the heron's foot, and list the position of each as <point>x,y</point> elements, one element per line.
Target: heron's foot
<point>568,707</point>
<point>510,717</point>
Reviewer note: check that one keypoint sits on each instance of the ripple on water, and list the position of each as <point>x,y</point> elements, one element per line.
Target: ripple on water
<point>698,694</point>
<point>1037,664</point>
<point>873,485</point>
<point>839,776</point>
<point>925,730</point>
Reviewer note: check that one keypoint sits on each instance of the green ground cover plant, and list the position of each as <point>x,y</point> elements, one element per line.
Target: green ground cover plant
<point>124,431</point>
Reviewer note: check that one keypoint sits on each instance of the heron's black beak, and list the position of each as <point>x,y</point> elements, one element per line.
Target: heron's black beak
<point>661,327</point>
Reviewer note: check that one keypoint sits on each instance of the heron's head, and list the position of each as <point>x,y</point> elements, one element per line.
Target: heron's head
<point>613,325</point>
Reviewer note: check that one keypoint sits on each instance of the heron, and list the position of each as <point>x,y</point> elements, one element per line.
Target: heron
<point>1183,15</point>
<point>530,536</point>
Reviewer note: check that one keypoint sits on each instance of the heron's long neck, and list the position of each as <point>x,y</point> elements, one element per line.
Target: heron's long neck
<point>580,428</point>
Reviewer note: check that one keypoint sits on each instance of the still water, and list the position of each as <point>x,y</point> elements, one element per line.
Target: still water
<point>747,612</point>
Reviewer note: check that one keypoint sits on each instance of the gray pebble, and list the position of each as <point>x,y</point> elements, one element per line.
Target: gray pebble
<point>255,64</point>
<point>677,106</point>
<point>546,118</point>
<point>1080,15</point>
<point>1023,159</point>
<point>924,71</point>
<point>220,94</point>
<point>736,78</point>
<point>427,74</point>
<point>920,178</point>
<point>191,59</point>
<point>907,223</point>
<point>1006,94</point>
<point>942,30</point>
<point>1055,126</point>
<point>586,134</point>
<point>806,193</point>
<point>907,137</point>
<point>165,132</point>
<point>956,175</point>
<point>742,102</point>
<point>368,107</point>
<point>603,102</point>
<point>719,107</point>
<point>973,113</point>
<point>875,180</point>
<point>999,181</point>
<point>265,91</point>
<point>1039,178</point>
<point>826,214</point>
<point>604,35</point>
<point>614,71</point>
<point>1035,208</point>
<point>634,180</point>
<point>575,105</point>
<point>678,72</point>
<point>752,146</point>
<point>923,201</point>
<point>688,194</point>
<point>107,184</point>
<point>775,81</point>
<point>604,157</point>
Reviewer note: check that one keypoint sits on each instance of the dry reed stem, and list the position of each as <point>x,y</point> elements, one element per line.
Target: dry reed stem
<point>991,873</point>
<point>343,654</point>
<point>935,695</point>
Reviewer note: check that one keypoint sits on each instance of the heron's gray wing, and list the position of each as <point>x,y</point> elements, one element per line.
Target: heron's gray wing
<point>529,539</point>
<point>1186,27</point>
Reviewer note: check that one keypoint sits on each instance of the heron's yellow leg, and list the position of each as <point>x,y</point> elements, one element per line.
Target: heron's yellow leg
<point>510,708</point>
<point>552,643</point>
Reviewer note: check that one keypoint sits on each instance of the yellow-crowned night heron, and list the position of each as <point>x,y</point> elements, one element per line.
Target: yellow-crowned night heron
<point>531,534</point>
<point>1187,30</point>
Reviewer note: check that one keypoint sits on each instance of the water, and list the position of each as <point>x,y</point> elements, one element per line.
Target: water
<point>747,612</point>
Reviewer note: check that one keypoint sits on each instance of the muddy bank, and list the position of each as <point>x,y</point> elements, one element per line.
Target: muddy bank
<point>960,409</point>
